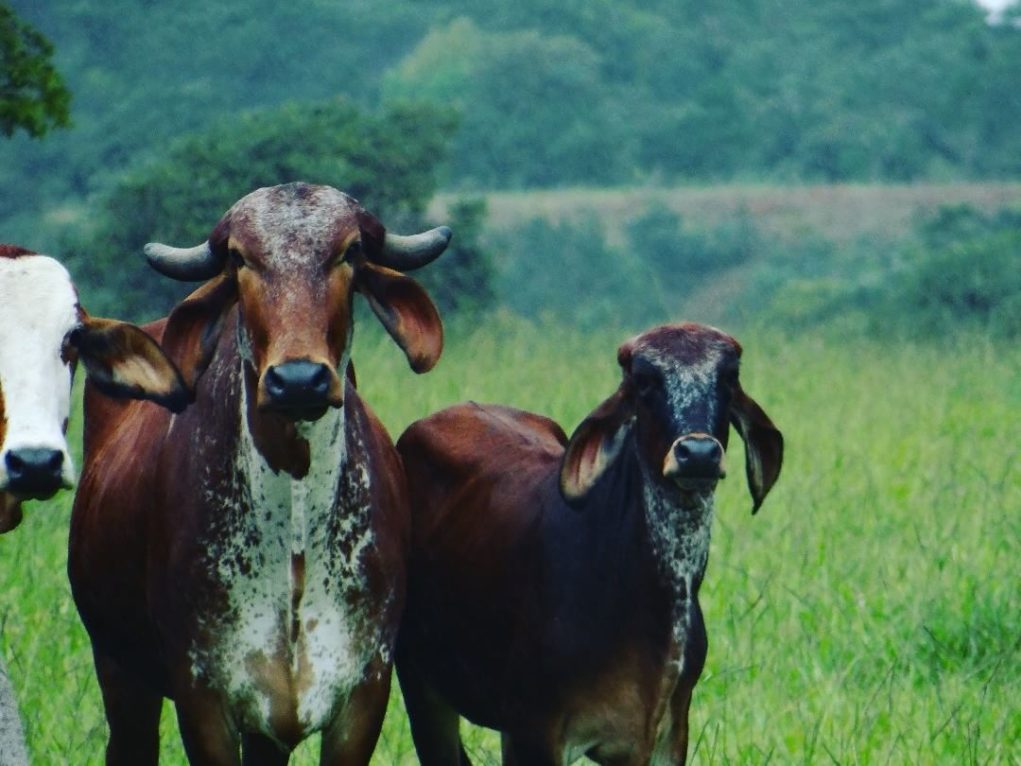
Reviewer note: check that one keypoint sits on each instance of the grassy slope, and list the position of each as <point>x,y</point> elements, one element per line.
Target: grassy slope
<point>870,614</point>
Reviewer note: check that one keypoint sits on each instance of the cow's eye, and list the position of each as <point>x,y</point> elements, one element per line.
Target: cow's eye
<point>352,254</point>
<point>236,258</point>
<point>645,384</point>
<point>646,380</point>
<point>729,377</point>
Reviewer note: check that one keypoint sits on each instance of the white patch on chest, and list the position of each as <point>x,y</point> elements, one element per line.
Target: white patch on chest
<point>290,564</point>
<point>680,541</point>
<point>680,538</point>
<point>38,307</point>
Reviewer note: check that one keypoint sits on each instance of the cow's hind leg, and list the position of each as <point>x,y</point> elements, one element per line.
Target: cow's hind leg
<point>133,713</point>
<point>434,724</point>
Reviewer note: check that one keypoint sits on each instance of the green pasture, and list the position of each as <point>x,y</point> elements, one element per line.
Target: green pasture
<point>870,614</point>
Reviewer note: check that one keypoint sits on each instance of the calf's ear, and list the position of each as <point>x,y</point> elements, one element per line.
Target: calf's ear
<point>594,445</point>
<point>763,445</point>
<point>126,363</point>
<point>406,311</point>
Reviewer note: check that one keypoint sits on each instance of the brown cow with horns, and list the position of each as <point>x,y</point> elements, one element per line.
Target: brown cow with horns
<point>553,583</point>
<point>246,558</point>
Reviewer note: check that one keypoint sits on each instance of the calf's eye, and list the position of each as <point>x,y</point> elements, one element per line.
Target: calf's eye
<point>645,383</point>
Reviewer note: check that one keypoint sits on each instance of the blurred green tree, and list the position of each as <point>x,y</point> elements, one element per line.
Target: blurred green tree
<point>533,109</point>
<point>33,96</point>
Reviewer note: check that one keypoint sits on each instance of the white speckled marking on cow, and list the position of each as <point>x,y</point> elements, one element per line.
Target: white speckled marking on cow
<point>679,526</point>
<point>323,647</point>
<point>679,530</point>
<point>313,220</point>
<point>38,307</point>
<point>688,383</point>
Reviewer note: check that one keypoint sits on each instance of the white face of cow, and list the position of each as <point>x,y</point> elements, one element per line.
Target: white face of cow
<point>38,308</point>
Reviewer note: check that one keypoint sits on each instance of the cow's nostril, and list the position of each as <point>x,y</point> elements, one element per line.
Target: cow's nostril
<point>56,461</point>
<point>320,380</point>
<point>275,385</point>
<point>15,465</point>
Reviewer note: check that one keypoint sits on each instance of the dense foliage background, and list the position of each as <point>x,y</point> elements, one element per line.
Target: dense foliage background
<point>583,91</point>
<point>180,108</point>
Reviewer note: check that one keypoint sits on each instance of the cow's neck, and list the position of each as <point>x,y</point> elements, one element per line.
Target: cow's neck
<point>658,544</point>
<point>292,471</point>
<point>679,535</point>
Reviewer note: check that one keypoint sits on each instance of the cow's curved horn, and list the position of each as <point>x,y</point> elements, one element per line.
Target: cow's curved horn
<point>187,264</point>
<point>406,253</point>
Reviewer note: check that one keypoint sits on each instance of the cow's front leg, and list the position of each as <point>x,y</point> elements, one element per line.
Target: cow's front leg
<point>133,713</point>
<point>351,736</point>
<point>208,736</point>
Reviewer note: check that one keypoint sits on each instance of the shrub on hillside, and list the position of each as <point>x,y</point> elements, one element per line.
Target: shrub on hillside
<point>568,272</point>
<point>957,272</point>
<point>973,284</point>
<point>683,256</point>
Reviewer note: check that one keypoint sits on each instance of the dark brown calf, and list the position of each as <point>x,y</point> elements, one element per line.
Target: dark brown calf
<point>247,557</point>
<point>553,583</point>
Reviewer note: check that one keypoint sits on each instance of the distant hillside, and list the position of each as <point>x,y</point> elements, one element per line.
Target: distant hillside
<point>838,212</point>
<point>723,254</point>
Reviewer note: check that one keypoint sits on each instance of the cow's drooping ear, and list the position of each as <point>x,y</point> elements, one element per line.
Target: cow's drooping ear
<point>594,445</point>
<point>406,311</point>
<point>194,327</point>
<point>124,362</point>
<point>763,445</point>
<point>10,512</point>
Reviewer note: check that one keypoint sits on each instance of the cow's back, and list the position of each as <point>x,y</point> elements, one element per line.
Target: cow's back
<point>468,468</point>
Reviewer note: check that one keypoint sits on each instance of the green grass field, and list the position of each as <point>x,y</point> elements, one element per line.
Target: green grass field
<point>870,614</point>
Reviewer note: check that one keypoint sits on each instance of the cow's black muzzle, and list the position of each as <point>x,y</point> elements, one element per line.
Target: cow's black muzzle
<point>300,390</point>
<point>34,473</point>
<point>695,462</point>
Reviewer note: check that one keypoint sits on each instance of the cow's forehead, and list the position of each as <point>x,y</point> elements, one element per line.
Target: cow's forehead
<point>36,295</point>
<point>293,218</point>
<point>674,347</point>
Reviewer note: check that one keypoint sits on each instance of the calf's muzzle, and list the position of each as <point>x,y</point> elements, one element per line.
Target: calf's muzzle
<point>694,462</point>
